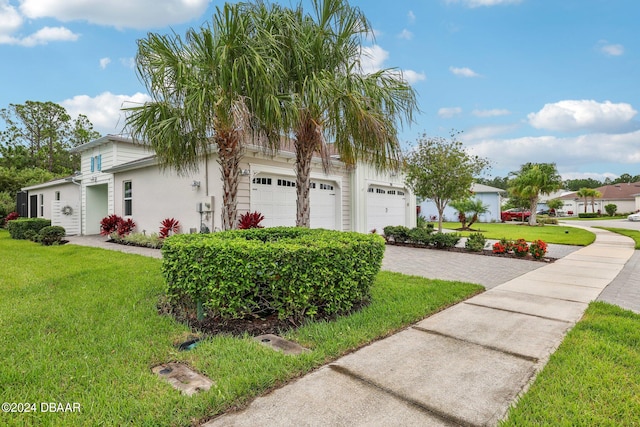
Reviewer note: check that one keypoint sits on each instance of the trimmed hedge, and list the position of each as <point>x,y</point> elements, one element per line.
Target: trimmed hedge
<point>588,215</point>
<point>25,228</point>
<point>420,236</point>
<point>294,272</point>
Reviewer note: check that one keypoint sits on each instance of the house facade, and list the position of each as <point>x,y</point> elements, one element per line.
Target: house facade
<point>622,195</point>
<point>489,196</point>
<point>119,176</point>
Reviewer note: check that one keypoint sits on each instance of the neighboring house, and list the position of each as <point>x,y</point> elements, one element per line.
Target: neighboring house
<point>622,195</point>
<point>489,196</point>
<point>119,176</point>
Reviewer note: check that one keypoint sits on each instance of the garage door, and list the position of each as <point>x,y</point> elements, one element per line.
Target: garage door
<point>385,206</point>
<point>275,197</point>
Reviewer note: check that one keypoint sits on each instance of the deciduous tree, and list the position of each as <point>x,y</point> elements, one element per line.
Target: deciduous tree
<point>441,170</point>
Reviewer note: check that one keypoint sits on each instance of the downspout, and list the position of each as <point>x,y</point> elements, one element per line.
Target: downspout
<point>73,180</point>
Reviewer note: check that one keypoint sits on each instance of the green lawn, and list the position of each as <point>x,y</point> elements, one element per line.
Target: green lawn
<point>549,233</point>
<point>593,379</point>
<point>634,234</point>
<point>79,325</point>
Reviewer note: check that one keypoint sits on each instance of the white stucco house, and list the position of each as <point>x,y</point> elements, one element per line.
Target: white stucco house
<point>489,196</point>
<point>120,176</point>
<point>623,195</point>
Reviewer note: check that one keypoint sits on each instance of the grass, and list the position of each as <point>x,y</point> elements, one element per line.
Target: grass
<point>634,234</point>
<point>549,233</point>
<point>79,325</point>
<point>593,379</point>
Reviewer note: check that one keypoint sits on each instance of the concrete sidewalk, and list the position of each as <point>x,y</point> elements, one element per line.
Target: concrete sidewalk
<point>463,366</point>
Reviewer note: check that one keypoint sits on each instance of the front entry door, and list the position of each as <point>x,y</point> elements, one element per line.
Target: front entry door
<point>33,206</point>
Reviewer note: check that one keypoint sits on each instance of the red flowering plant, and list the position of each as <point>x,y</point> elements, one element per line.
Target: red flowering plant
<point>11,216</point>
<point>250,220</point>
<point>499,248</point>
<point>169,226</point>
<point>109,224</point>
<point>538,249</point>
<point>521,248</point>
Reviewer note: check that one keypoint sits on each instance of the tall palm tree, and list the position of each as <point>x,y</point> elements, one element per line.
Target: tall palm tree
<point>326,97</point>
<point>594,194</point>
<point>589,193</point>
<point>584,192</point>
<point>205,89</point>
<point>535,179</point>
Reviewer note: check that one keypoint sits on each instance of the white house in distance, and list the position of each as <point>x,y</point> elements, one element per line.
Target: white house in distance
<point>624,196</point>
<point>120,176</point>
<point>489,196</point>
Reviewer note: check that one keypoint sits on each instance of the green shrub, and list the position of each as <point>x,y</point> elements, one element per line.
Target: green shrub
<point>51,235</point>
<point>18,227</point>
<point>475,242</point>
<point>588,215</point>
<point>445,240</point>
<point>420,236</point>
<point>295,272</point>
<point>611,209</point>
<point>397,233</point>
<point>153,240</point>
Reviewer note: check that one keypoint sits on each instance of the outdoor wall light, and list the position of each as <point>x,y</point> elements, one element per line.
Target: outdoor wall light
<point>245,172</point>
<point>195,184</point>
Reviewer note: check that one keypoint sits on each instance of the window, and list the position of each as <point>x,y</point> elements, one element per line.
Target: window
<point>400,193</point>
<point>128,205</point>
<point>380,191</point>
<point>262,181</point>
<point>58,195</point>
<point>326,187</point>
<point>96,163</point>
<point>370,190</point>
<point>41,204</point>
<point>286,183</point>
<point>391,192</point>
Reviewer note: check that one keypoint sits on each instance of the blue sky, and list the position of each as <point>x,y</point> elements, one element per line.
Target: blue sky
<point>525,80</point>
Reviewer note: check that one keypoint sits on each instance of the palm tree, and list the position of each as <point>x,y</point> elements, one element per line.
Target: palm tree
<point>326,97</point>
<point>594,194</point>
<point>206,89</point>
<point>584,192</point>
<point>535,179</point>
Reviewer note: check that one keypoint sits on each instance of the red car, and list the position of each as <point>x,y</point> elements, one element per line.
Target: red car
<point>515,213</point>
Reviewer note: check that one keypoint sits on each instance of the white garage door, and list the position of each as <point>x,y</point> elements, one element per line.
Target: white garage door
<point>385,206</point>
<point>275,197</point>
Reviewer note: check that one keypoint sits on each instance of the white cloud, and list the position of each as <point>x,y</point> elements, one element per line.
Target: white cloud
<point>412,77</point>
<point>449,112</point>
<point>10,19</point>
<point>104,62</point>
<point>586,175</point>
<point>128,62</point>
<point>372,58</point>
<point>104,110</point>
<point>48,34</point>
<point>570,153</point>
<point>405,34</point>
<point>609,49</point>
<point>138,14</point>
<point>572,115</point>
<point>463,72</point>
<point>411,17</point>
<point>491,113</point>
<point>479,3</point>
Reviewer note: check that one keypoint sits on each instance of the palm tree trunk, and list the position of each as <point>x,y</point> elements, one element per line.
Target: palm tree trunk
<point>229,154</point>
<point>304,153</point>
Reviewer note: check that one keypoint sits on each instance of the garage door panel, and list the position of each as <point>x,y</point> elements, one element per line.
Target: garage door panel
<point>385,206</point>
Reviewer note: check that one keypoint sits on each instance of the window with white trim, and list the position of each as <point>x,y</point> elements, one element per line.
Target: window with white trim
<point>41,204</point>
<point>57,195</point>
<point>262,181</point>
<point>128,198</point>
<point>380,191</point>
<point>286,183</point>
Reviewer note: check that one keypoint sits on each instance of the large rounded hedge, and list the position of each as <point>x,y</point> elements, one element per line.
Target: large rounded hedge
<point>294,272</point>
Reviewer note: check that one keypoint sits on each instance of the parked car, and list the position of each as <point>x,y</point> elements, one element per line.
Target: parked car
<point>634,217</point>
<point>515,213</point>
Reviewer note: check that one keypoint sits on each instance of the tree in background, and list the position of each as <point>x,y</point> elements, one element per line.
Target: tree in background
<point>441,170</point>
<point>40,134</point>
<point>588,193</point>
<point>468,210</point>
<point>532,180</point>
<point>555,205</point>
<point>576,184</point>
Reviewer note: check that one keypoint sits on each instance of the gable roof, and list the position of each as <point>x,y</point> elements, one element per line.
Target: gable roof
<point>481,188</point>
<point>624,191</point>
